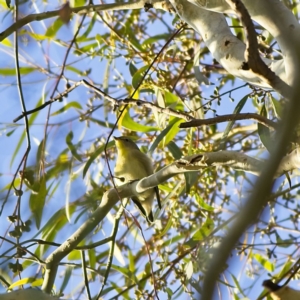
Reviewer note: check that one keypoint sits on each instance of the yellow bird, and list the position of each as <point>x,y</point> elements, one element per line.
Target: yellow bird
<point>132,165</point>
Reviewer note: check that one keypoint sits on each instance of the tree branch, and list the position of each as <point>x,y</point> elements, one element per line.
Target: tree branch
<point>190,163</point>
<point>158,4</point>
<point>254,61</point>
<point>115,102</point>
<point>231,117</point>
<point>226,48</point>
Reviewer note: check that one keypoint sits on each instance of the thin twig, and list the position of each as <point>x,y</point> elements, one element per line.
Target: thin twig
<point>22,102</point>
<point>86,280</point>
<point>57,98</point>
<point>112,248</point>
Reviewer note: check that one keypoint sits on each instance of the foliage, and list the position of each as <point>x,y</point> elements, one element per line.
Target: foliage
<point>52,187</point>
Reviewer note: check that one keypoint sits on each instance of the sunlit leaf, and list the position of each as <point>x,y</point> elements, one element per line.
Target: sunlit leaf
<point>205,230</point>
<point>29,280</point>
<point>266,263</point>
<point>74,255</point>
<point>285,269</point>
<point>53,29</point>
<point>73,104</point>
<point>12,72</point>
<point>92,261</point>
<point>130,124</point>
<point>6,42</point>
<point>155,38</point>
<point>189,270</point>
<point>202,203</point>
<point>139,76</point>
<point>173,124</point>
<point>37,201</point>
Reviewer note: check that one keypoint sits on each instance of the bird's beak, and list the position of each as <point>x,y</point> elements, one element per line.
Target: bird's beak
<point>116,138</point>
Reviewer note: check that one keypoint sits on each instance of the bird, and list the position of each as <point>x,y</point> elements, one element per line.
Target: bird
<point>132,165</point>
<point>281,292</point>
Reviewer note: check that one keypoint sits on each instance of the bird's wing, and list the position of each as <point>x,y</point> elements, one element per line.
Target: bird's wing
<point>149,217</point>
<point>157,197</point>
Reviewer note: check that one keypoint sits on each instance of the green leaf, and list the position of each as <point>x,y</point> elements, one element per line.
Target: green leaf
<point>6,42</point>
<point>277,106</point>
<point>39,153</point>
<point>126,272</point>
<point>74,255</point>
<point>237,285</point>
<point>90,48</point>
<point>130,34</point>
<point>155,38</point>
<point>95,155</point>
<point>10,132</point>
<point>264,132</point>
<point>264,262</point>
<point>285,269</point>
<point>24,281</point>
<point>171,134</point>
<point>283,243</point>
<point>66,279</point>
<point>102,123</point>
<point>56,223</point>
<point>236,27</point>
<point>131,259</point>
<point>106,76</point>
<point>84,36</point>
<point>175,150</point>
<point>53,29</point>
<point>204,231</point>
<point>200,234</point>
<point>36,36</point>
<point>12,72</point>
<point>71,146</point>
<point>166,229</point>
<point>139,76</point>
<point>62,164</point>
<point>203,205</point>
<point>37,202</point>
<point>190,177</point>
<point>237,110</point>
<point>80,3</point>
<point>130,124</point>
<point>132,68</point>
<point>73,104</point>
<point>75,70</point>
<point>92,261</point>
<point>165,132</point>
